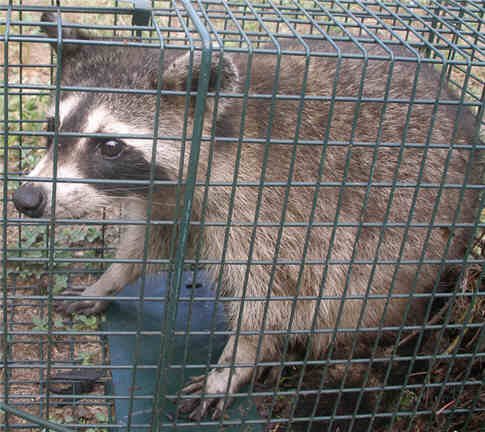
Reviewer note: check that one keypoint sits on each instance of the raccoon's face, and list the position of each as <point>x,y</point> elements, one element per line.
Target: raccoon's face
<point>103,150</point>
<point>90,171</point>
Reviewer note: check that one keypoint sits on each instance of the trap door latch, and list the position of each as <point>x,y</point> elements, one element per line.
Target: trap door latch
<point>141,14</point>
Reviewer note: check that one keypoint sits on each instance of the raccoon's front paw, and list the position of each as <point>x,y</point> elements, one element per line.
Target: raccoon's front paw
<point>85,307</point>
<point>199,405</point>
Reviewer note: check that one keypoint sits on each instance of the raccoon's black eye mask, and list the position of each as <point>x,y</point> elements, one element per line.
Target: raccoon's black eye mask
<point>113,159</point>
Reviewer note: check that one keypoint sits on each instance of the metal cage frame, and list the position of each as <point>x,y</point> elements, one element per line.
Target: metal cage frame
<point>447,34</point>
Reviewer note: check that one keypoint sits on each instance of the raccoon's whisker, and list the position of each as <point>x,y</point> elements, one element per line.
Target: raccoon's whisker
<point>133,199</point>
<point>153,204</point>
<point>124,189</point>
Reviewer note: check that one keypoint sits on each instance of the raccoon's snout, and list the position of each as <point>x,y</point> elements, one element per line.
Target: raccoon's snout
<point>30,200</point>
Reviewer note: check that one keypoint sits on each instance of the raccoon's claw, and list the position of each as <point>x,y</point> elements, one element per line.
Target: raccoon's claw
<point>198,407</point>
<point>85,307</point>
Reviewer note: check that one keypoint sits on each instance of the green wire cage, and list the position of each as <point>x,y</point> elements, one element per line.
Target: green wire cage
<point>294,176</point>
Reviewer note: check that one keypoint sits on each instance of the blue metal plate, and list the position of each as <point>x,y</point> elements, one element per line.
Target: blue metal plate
<point>195,315</point>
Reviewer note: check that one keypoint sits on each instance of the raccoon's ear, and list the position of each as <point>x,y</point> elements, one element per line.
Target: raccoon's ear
<point>224,75</point>
<point>67,33</point>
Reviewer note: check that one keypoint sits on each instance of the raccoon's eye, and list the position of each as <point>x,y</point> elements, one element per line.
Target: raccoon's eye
<point>111,149</point>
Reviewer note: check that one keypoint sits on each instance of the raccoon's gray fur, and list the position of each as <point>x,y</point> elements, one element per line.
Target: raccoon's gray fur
<point>399,127</point>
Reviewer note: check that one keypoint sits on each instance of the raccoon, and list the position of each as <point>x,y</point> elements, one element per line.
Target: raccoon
<point>333,187</point>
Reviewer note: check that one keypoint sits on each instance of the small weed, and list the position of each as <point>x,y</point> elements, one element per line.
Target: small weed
<point>32,236</point>
<point>53,420</point>
<point>408,399</point>
<point>59,323</point>
<point>68,419</point>
<point>34,244</point>
<point>86,358</point>
<point>93,234</point>
<point>86,323</point>
<point>41,324</point>
<point>101,418</point>
<point>60,283</point>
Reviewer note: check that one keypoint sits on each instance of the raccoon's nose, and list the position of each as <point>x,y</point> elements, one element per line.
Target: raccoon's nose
<point>29,200</point>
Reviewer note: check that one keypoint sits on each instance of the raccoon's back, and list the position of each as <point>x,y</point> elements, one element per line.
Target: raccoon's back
<point>384,126</point>
<point>377,147</point>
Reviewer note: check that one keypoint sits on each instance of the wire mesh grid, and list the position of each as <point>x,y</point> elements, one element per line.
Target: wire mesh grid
<point>203,85</point>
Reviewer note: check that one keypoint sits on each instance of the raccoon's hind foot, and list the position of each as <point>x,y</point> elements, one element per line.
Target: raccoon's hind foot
<point>199,406</point>
<point>85,307</point>
<point>221,383</point>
